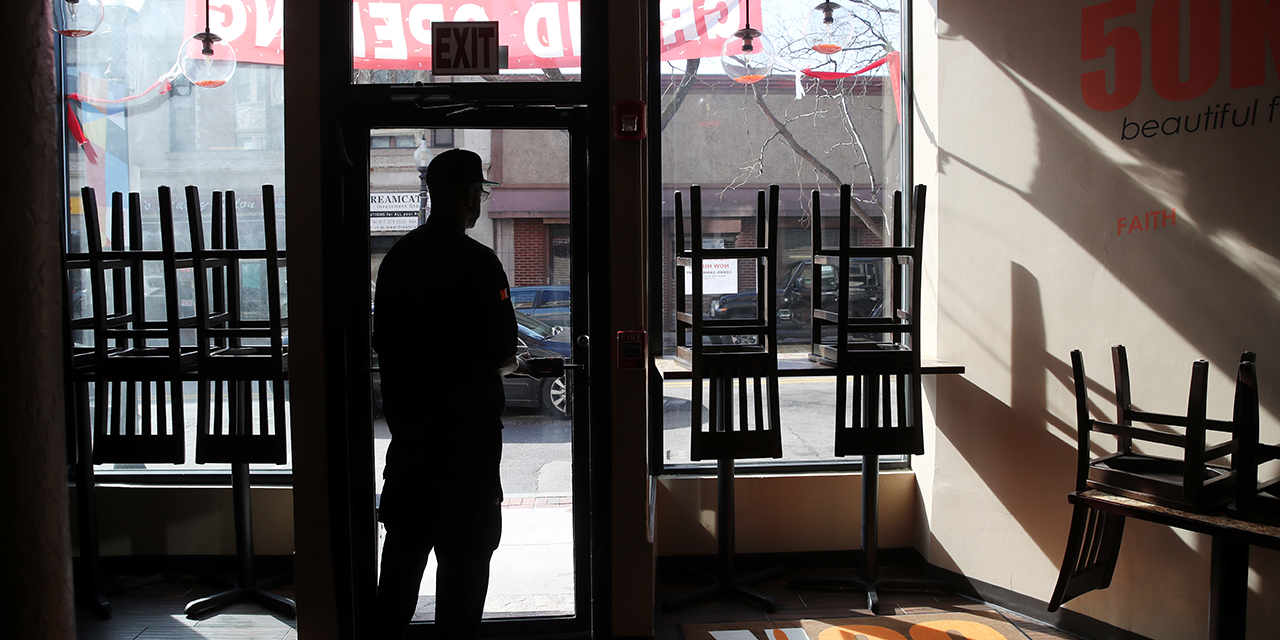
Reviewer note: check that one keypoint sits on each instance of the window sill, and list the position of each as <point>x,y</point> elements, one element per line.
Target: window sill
<point>194,479</point>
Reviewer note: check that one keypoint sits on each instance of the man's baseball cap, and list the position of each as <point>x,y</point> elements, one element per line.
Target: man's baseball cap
<point>457,166</point>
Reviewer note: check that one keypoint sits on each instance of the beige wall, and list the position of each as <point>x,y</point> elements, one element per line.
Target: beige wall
<point>177,521</point>
<point>1031,184</point>
<point>784,513</point>
<point>535,157</point>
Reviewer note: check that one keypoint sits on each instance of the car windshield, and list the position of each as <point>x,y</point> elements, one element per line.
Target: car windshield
<point>536,327</point>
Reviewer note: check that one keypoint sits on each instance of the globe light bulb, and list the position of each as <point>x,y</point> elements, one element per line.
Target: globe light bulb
<point>829,28</point>
<point>77,18</point>
<point>207,61</point>
<point>747,57</point>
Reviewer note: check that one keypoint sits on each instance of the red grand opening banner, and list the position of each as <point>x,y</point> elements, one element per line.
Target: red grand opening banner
<point>396,34</point>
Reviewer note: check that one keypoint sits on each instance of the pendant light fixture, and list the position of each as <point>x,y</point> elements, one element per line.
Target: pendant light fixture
<point>77,18</point>
<point>205,59</point>
<point>748,56</point>
<point>829,29</point>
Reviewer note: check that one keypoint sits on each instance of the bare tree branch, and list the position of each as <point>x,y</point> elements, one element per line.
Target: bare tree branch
<point>853,131</point>
<point>813,160</point>
<point>669,111</point>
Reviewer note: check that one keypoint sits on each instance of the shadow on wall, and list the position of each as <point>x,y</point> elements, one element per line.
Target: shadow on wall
<point>1212,274</point>
<point>1019,461</point>
<point>1207,265</point>
<point>1030,469</point>
<point>1207,268</point>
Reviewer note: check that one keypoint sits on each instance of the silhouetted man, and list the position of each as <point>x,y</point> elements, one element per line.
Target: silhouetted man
<point>445,333</point>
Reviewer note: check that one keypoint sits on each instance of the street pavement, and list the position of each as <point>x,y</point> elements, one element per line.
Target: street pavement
<point>532,571</point>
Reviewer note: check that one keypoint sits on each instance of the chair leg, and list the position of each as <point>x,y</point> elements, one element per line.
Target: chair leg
<point>246,588</point>
<point>90,578</point>
<point>726,582</point>
<point>869,582</point>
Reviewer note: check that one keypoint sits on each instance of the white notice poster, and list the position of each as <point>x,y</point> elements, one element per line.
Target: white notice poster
<point>718,277</point>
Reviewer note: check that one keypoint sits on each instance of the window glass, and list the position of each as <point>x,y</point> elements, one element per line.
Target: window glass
<point>523,299</point>
<point>393,142</point>
<point>442,138</point>
<point>538,40</point>
<point>135,122</point>
<point>826,113</point>
<point>555,297</point>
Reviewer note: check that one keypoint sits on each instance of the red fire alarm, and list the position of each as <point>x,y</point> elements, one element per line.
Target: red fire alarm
<point>630,120</point>
<point>631,349</point>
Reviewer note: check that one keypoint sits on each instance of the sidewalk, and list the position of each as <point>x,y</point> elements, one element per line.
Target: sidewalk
<point>532,570</point>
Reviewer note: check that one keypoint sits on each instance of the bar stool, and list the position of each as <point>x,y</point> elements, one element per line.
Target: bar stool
<point>876,360</point>
<point>746,359</point>
<point>136,364</point>
<point>234,424</point>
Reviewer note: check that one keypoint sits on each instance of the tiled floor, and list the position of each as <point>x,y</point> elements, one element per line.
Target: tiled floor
<point>155,611</point>
<point>794,604</point>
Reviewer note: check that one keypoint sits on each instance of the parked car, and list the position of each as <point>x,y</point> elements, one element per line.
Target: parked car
<point>542,335</point>
<point>549,303</point>
<point>536,339</point>
<point>795,296</point>
<point>549,394</point>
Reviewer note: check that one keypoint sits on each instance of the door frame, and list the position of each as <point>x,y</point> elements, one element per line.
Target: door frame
<point>353,482</point>
<point>342,109</point>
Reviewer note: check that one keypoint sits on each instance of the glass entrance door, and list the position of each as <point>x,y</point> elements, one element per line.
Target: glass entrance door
<point>540,573</point>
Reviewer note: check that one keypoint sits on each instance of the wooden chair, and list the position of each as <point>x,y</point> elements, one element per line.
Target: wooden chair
<point>137,364</point>
<point>1186,483</point>
<point>1093,542</point>
<point>876,360</point>
<point>734,356</point>
<point>236,355</point>
<point>1181,476</point>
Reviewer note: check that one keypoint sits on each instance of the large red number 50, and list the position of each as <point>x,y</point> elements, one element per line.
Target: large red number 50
<point>1255,24</point>
<point>1166,45</point>
<point>1094,42</point>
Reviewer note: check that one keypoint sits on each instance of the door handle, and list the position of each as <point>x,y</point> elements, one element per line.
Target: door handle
<point>583,342</point>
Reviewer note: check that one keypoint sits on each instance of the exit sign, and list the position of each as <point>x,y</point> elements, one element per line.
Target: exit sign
<point>464,48</point>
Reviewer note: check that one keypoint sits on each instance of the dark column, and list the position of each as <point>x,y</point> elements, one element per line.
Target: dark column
<point>35,540</point>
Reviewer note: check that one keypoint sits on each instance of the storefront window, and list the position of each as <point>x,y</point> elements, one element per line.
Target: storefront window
<point>829,113</point>
<point>135,123</point>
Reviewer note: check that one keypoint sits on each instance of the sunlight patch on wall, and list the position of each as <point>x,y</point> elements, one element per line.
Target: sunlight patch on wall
<point>1250,259</point>
<point>1164,184</point>
<point>707,518</point>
